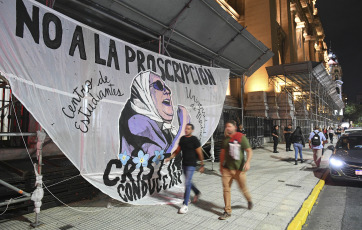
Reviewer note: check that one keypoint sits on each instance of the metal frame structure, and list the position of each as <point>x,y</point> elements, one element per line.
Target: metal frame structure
<point>310,83</point>
<point>38,171</point>
<point>141,23</point>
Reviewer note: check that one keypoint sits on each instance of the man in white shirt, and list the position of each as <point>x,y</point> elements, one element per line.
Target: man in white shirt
<point>316,142</point>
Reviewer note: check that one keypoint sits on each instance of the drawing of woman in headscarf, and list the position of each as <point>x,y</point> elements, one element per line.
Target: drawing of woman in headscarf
<point>145,123</point>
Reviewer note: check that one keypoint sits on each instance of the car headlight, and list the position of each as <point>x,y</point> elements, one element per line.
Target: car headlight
<point>336,162</point>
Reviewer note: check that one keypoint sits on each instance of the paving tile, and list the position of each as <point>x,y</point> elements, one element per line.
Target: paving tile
<point>268,226</point>
<point>255,215</point>
<point>179,225</point>
<point>245,222</point>
<point>214,224</point>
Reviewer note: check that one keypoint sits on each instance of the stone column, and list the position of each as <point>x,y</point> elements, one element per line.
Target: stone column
<point>286,106</point>
<point>293,12</point>
<point>301,111</point>
<point>273,105</point>
<point>300,38</point>
<point>309,47</point>
<point>256,104</point>
<point>319,51</point>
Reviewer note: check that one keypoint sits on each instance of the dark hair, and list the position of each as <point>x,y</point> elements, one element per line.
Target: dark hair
<point>316,127</point>
<point>191,125</point>
<point>290,125</point>
<point>231,122</point>
<point>298,131</point>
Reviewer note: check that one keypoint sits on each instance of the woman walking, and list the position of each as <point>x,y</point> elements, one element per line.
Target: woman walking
<point>298,144</point>
<point>275,134</point>
<point>325,132</point>
<point>191,148</point>
<point>331,133</point>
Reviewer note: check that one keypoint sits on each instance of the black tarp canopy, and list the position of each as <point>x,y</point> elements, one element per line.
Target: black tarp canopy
<point>198,31</point>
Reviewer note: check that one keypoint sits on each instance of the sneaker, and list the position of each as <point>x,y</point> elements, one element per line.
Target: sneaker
<point>196,198</point>
<point>183,209</point>
<point>250,205</point>
<point>224,216</point>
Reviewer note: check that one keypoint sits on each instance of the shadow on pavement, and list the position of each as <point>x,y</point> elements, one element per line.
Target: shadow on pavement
<point>19,218</point>
<point>168,198</point>
<point>239,207</point>
<point>212,172</point>
<point>210,207</point>
<point>290,160</point>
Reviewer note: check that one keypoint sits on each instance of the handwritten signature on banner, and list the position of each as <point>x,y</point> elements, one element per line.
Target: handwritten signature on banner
<point>85,101</point>
<point>197,106</point>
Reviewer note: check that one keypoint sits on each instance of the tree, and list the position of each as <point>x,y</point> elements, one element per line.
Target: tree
<point>353,112</point>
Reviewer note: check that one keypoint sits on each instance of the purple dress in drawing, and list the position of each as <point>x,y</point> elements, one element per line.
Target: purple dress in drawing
<point>145,121</point>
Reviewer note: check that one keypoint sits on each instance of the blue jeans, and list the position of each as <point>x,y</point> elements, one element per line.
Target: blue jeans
<point>298,148</point>
<point>188,172</point>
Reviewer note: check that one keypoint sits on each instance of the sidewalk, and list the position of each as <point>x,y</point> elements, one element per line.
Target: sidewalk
<point>278,188</point>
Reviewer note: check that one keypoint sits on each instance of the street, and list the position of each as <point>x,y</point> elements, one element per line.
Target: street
<point>338,207</point>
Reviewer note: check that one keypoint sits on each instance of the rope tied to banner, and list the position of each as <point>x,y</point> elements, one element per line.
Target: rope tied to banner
<point>38,193</point>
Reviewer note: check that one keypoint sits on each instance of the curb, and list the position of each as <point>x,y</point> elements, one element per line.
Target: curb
<point>301,217</point>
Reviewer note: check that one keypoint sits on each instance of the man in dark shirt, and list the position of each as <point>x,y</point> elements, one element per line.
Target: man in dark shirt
<point>287,133</point>
<point>339,132</point>
<point>275,135</point>
<point>191,148</point>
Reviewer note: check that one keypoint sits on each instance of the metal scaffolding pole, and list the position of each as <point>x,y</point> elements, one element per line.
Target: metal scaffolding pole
<point>310,97</point>
<point>18,190</point>
<point>38,194</point>
<point>16,134</point>
<point>13,201</point>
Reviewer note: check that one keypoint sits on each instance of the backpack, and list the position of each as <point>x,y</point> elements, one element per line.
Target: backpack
<point>316,139</point>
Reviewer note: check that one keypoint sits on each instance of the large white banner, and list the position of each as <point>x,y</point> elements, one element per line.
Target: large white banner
<point>114,109</point>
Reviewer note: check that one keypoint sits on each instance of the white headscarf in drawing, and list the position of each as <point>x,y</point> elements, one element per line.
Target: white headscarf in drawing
<point>141,100</point>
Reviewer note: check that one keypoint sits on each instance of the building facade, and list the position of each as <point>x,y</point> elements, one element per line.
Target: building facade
<point>293,31</point>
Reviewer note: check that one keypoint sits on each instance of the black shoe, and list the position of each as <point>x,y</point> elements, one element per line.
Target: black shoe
<point>250,205</point>
<point>296,162</point>
<point>275,151</point>
<point>301,161</point>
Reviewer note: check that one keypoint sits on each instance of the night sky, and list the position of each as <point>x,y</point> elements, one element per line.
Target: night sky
<point>342,24</point>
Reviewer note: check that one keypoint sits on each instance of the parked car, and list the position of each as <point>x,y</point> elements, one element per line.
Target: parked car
<point>346,161</point>
<point>355,129</point>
